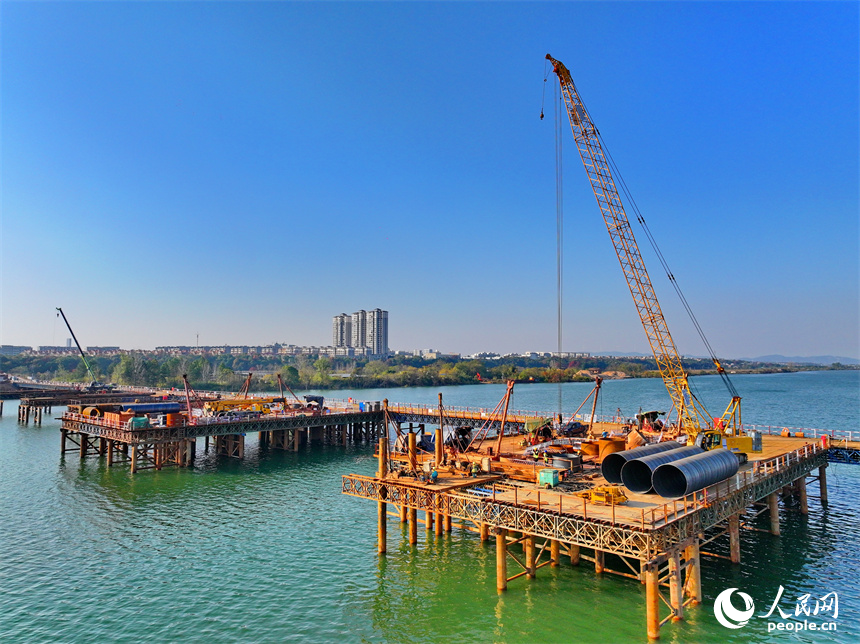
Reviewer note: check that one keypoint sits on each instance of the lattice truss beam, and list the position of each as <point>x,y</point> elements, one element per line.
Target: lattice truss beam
<point>586,136</point>
<point>627,541</point>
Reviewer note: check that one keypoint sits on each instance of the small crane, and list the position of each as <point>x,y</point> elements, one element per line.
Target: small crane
<point>93,383</point>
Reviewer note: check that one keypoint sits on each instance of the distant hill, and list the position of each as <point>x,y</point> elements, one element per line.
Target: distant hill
<point>773,359</point>
<point>823,360</point>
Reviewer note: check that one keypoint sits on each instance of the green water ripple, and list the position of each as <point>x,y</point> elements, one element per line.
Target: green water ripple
<point>268,550</point>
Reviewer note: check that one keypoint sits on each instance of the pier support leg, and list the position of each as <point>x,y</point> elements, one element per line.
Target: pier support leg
<point>382,536</point>
<point>413,453</point>
<point>428,522</point>
<point>413,526</point>
<point>773,505</point>
<point>439,454</point>
<point>84,442</point>
<point>529,547</point>
<point>501,559</point>
<point>735,538</point>
<point>555,553</point>
<point>403,511</point>
<point>134,458</point>
<point>63,433</point>
<point>109,452</point>
<point>676,587</point>
<point>801,493</point>
<point>382,472</point>
<point>296,439</point>
<point>652,602</point>
<point>599,562</point>
<point>440,524</point>
<point>694,573</point>
<point>574,555</point>
<point>447,523</point>
<point>206,444</point>
<point>822,483</point>
<point>485,531</point>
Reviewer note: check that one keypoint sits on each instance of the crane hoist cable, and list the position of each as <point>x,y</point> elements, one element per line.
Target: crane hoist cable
<point>692,415</point>
<point>665,264</point>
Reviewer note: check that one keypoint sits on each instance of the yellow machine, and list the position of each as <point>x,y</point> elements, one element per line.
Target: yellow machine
<point>604,495</point>
<point>692,416</point>
<point>261,405</point>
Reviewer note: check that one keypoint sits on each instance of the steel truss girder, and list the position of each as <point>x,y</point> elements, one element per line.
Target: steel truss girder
<point>723,507</point>
<point>453,419</point>
<point>847,455</point>
<point>631,542</point>
<point>627,541</point>
<point>168,434</point>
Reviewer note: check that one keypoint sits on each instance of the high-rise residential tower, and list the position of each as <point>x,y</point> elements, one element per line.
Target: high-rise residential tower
<point>359,329</point>
<point>341,330</point>
<point>363,330</point>
<point>377,332</point>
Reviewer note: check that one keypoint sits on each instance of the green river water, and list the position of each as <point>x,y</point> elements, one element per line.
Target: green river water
<point>269,550</point>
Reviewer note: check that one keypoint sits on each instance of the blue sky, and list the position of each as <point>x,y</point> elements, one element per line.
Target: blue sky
<point>246,171</point>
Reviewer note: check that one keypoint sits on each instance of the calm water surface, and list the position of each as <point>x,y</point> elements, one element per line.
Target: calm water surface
<point>268,550</point>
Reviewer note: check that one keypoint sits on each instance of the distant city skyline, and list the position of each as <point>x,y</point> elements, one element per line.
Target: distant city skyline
<point>243,171</point>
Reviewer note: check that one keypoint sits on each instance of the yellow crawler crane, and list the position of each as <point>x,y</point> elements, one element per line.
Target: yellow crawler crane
<point>693,418</point>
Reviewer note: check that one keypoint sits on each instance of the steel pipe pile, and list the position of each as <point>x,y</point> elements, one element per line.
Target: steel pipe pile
<point>636,474</point>
<point>612,464</point>
<point>687,475</point>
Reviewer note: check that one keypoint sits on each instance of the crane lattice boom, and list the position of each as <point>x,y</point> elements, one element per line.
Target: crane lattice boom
<point>691,414</point>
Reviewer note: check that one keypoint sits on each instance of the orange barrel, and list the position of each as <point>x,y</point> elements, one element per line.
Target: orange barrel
<point>589,448</point>
<point>92,411</point>
<point>608,446</point>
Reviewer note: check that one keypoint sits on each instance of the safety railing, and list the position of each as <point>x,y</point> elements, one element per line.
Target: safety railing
<point>651,518</point>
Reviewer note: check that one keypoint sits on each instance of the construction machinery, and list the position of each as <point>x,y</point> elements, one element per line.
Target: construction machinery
<point>94,384</point>
<point>693,418</point>
<point>604,495</point>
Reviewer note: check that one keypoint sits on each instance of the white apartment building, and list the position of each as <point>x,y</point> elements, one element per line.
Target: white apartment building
<point>341,330</point>
<point>364,331</point>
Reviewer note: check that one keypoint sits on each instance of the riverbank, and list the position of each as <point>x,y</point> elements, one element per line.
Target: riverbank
<point>227,373</point>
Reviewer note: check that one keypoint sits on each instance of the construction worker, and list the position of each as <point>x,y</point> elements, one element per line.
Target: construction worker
<point>535,455</point>
<point>476,469</point>
<point>433,475</point>
<point>545,457</point>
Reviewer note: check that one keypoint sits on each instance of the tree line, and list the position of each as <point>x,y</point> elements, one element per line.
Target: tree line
<point>227,372</point>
